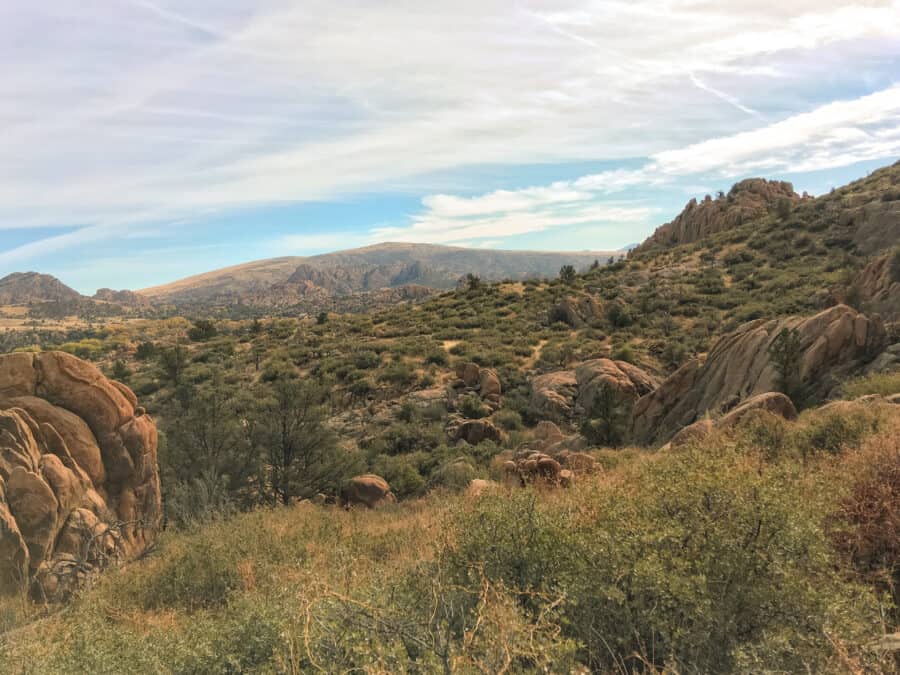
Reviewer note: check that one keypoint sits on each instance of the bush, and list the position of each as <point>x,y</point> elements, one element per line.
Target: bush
<point>454,475</point>
<point>834,432</point>
<point>199,575</point>
<point>624,352</point>
<point>472,407</point>
<point>507,419</point>
<point>883,384</point>
<point>618,315</point>
<point>865,528</point>
<point>366,360</point>
<point>681,564</point>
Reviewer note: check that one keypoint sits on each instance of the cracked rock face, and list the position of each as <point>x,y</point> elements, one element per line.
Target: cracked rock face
<point>832,344</point>
<point>79,481</point>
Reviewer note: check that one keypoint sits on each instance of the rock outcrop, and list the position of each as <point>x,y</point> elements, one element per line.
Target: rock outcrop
<point>879,286</point>
<point>474,432</point>
<point>22,288</point>
<point>471,378</point>
<point>831,344</point>
<point>772,402</point>
<point>570,393</point>
<point>367,490</point>
<point>79,482</point>
<point>123,297</point>
<point>746,201</point>
<point>575,311</point>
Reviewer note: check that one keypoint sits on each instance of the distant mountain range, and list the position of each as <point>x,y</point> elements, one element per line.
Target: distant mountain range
<point>344,280</point>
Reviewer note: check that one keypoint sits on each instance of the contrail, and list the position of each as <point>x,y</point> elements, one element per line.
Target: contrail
<point>180,19</point>
<point>731,100</point>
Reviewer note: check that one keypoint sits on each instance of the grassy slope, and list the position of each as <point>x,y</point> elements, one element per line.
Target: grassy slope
<point>646,562</point>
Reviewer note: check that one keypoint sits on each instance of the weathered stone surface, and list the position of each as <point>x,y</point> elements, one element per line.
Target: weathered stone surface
<point>773,402</point>
<point>563,394</point>
<point>489,383</point>
<point>75,433</point>
<point>17,375</point>
<point>626,381</point>
<point>553,394</point>
<point>833,343</point>
<point>469,373</point>
<point>367,490</point>
<point>14,556</point>
<point>474,432</point>
<point>693,433</point>
<point>878,289</point>
<point>576,311</point>
<point>71,444</point>
<point>548,432</point>
<point>36,510</point>
<point>747,200</point>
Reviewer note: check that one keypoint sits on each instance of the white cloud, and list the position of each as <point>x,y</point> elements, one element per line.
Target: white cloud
<point>150,111</point>
<point>836,134</point>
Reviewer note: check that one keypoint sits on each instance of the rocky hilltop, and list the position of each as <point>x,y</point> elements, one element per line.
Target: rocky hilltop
<point>79,482</point>
<point>748,200</point>
<point>23,288</point>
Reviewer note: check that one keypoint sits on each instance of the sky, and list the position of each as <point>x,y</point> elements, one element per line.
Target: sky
<point>146,140</point>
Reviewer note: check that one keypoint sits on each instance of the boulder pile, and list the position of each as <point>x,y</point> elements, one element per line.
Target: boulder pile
<point>551,459</point>
<point>746,201</point>
<point>567,394</point>
<point>576,311</point>
<point>79,481</point>
<point>471,378</point>
<point>831,344</point>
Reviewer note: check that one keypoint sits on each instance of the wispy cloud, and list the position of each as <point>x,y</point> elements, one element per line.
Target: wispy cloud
<point>151,112</point>
<point>836,134</point>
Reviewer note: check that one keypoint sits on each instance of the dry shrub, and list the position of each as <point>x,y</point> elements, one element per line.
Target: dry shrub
<point>867,527</point>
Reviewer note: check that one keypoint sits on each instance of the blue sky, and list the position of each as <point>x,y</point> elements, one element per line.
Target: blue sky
<point>146,140</point>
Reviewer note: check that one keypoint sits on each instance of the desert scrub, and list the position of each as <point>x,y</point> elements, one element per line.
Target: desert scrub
<point>699,560</point>
<point>883,384</point>
<point>837,427</point>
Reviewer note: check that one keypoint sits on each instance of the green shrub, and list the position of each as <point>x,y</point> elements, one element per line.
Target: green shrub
<point>883,384</point>
<point>454,475</point>
<point>834,432</point>
<point>699,561</point>
<point>472,407</point>
<point>200,575</point>
<point>507,419</point>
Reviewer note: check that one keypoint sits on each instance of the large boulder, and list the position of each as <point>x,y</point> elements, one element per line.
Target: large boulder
<point>576,311</point>
<point>623,380</point>
<point>772,402</point>
<point>474,432</point>
<point>832,344</point>
<point>879,288</point>
<point>367,490</point>
<point>553,394</point>
<point>567,394</point>
<point>74,449</point>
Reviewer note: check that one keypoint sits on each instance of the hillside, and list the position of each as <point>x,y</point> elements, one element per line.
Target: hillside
<point>316,280</point>
<point>684,461</point>
<point>23,288</point>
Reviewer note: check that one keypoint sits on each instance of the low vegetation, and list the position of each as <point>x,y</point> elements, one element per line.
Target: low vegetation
<point>720,556</point>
